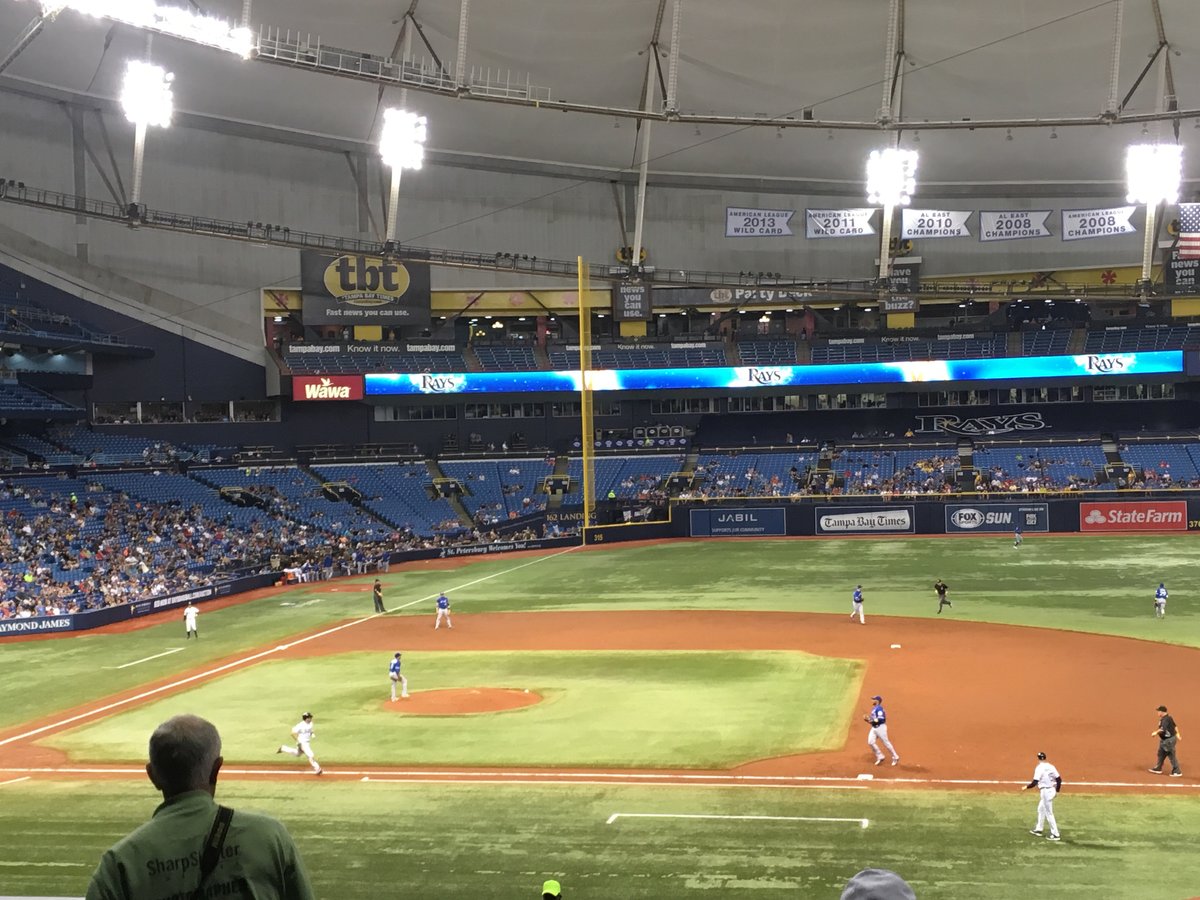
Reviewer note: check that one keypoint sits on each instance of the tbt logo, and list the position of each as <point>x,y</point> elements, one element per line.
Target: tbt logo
<point>366,280</point>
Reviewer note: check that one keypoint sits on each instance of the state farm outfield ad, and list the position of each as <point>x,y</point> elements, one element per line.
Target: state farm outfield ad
<point>327,387</point>
<point>1148,515</point>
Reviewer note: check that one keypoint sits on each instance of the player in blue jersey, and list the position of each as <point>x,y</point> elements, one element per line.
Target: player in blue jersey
<point>397,678</point>
<point>856,605</point>
<point>877,719</point>
<point>1160,600</point>
<point>1017,537</point>
<point>443,611</point>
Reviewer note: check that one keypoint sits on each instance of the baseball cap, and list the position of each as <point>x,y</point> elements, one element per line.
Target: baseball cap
<point>551,889</point>
<point>307,715</point>
<point>1041,755</point>
<point>1162,709</point>
<point>877,884</point>
<point>876,697</point>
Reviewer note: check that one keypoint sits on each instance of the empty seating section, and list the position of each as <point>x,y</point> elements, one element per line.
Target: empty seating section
<point>625,476</point>
<point>1057,467</point>
<point>334,362</point>
<point>120,449</point>
<point>1148,337</point>
<point>1045,343</point>
<point>19,398</point>
<point>505,357</point>
<point>767,353</point>
<point>650,356</point>
<point>292,493</point>
<point>1173,463</point>
<point>36,446</point>
<point>751,474</point>
<point>903,351</point>
<point>498,490</point>
<point>397,494</point>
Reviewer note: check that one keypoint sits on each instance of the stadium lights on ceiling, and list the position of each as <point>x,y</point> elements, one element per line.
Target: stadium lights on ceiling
<point>1153,172</point>
<point>891,176</point>
<point>146,94</point>
<point>402,141</point>
<point>176,21</point>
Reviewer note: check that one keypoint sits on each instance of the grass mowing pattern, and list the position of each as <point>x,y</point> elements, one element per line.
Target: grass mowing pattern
<point>658,710</point>
<point>363,841</point>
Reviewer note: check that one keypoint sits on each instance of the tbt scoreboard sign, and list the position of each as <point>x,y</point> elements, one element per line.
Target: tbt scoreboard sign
<point>363,290</point>
<point>1147,515</point>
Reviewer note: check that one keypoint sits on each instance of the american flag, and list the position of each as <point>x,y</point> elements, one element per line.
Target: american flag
<point>1189,230</point>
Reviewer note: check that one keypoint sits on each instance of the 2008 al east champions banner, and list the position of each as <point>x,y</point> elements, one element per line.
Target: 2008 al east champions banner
<point>363,290</point>
<point>1013,224</point>
<point>1082,224</point>
<point>838,223</point>
<point>934,223</point>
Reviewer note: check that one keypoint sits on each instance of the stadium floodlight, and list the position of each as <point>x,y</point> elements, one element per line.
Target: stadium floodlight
<point>891,177</point>
<point>401,146</point>
<point>176,21</point>
<point>1153,173</point>
<point>1152,176</point>
<point>147,101</point>
<point>891,182</point>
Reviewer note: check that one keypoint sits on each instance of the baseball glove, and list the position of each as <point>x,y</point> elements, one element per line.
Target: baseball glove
<point>867,719</point>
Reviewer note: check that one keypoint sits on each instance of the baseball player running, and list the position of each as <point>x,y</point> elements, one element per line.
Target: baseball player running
<point>1160,600</point>
<point>856,605</point>
<point>303,733</point>
<point>877,719</point>
<point>1048,782</point>
<point>1017,538</point>
<point>190,615</point>
<point>940,587</point>
<point>397,678</point>
<point>443,611</point>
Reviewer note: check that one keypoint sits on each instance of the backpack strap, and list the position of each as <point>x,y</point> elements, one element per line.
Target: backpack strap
<point>213,845</point>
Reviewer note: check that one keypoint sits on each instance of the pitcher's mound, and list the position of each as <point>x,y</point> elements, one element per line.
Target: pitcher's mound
<point>463,701</point>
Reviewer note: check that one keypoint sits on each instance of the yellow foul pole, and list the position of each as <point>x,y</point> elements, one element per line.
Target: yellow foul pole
<point>587,430</point>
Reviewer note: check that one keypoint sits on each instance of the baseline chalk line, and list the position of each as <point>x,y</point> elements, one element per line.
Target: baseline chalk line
<point>138,662</point>
<point>15,780</point>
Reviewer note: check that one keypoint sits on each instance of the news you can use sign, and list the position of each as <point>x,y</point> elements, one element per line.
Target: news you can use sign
<point>1013,224</point>
<point>997,517</point>
<point>741,222</point>
<point>631,302</point>
<point>838,223</point>
<point>934,223</point>
<point>1083,224</point>
<point>353,289</point>
<point>865,520</point>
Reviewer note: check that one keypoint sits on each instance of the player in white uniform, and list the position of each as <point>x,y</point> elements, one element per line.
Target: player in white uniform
<point>1160,600</point>
<point>1048,782</point>
<point>190,615</point>
<point>443,611</point>
<point>303,733</point>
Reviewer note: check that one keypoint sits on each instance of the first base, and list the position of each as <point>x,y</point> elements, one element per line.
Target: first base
<point>895,646</point>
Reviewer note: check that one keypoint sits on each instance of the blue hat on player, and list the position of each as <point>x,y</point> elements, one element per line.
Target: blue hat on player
<point>877,697</point>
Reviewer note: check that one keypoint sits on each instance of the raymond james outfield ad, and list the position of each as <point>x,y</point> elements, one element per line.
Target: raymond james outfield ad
<point>858,520</point>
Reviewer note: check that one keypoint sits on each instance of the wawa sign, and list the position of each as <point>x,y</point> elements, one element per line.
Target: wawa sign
<point>327,387</point>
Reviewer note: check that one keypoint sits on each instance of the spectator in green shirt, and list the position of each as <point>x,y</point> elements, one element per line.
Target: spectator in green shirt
<point>162,858</point>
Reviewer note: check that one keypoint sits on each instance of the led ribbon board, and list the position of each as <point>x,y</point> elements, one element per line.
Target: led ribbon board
<point>1159,362</point>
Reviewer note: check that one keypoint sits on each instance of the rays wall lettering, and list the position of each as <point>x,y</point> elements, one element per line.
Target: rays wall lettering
<point>934,223</point>
<point>1013,224</point>
<point>839,223</point>
<point>973,426</point>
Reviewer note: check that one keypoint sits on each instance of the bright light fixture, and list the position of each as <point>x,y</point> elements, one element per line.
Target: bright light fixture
<point>402,141</point>
<point>176,21</point>
<point>146,94</point>
<point>891,176</point>
<point>1152,173</point>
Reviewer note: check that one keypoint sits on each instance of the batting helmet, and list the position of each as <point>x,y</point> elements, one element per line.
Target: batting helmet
<point>1041,755</point>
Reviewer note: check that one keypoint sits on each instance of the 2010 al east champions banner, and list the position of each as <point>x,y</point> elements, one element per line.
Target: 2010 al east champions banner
<point>363,290</point>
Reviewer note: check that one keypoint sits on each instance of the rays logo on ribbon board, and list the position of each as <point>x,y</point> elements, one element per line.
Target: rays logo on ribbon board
<point>1083,224</point>
<point>838,223</point>
<point>997,517</point>
<point>934,223</point>
<point>865,520</point>
<point>741,223</point>
<point>363,290</point>
<point>1013,224</point>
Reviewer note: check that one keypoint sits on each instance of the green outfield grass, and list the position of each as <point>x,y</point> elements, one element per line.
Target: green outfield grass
<point>361,841</point>
<point>657,710</point>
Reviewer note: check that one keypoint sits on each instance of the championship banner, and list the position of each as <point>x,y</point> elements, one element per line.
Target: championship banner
<point>934,223</point>
<point>1082,224</point>
<point>838,223</point>
<point>363,290</point>
<point>1013,224</point>
<point>631,302</point>
<point>741,222</point>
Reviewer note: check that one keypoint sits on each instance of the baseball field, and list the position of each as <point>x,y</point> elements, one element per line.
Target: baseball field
<point>652,720</point>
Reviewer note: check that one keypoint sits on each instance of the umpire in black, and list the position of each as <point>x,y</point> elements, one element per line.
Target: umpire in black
<point>377,594</point>
<point>1168,735</point>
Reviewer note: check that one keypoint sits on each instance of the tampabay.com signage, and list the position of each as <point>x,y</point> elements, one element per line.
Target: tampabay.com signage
<point>1157,362</point>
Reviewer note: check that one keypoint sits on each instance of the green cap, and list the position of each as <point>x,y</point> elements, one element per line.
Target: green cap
<point>552,889</point>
